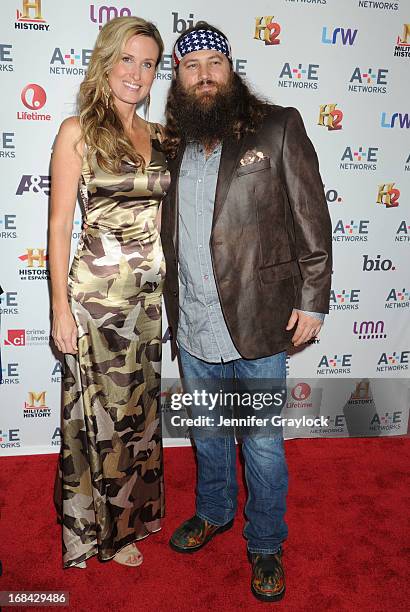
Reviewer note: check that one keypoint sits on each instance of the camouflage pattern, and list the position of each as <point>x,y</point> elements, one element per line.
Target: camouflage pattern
<point>111,458</point>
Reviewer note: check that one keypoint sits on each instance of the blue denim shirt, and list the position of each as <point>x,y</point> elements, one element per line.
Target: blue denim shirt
<point>202,330</point>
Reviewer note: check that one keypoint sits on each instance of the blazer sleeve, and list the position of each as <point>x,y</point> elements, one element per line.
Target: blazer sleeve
<point>312,225</point>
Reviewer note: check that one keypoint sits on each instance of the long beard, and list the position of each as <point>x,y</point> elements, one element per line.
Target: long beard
<point>205,117</point>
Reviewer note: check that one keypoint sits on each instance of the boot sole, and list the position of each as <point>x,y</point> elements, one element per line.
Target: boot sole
<point>271,598</point>
<point>221,529</point>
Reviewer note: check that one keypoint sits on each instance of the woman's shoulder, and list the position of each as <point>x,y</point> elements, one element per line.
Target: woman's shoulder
<point>70,134</point>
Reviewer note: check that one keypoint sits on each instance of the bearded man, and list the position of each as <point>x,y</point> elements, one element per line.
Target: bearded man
<point>247,240</point>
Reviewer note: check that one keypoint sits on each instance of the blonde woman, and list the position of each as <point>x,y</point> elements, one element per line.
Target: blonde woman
<point>107,317</point>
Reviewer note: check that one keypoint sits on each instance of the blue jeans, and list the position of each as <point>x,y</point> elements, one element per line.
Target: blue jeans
<point>265,464</point>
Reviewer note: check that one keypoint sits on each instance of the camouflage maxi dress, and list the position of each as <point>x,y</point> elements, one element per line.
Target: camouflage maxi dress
<point>111,456</point>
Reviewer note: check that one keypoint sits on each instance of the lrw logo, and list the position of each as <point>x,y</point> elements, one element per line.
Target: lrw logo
<point>15,337</point>
<point>403,120</point>
<point>347,36</point>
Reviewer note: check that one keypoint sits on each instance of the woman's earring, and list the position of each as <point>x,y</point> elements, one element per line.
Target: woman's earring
<point>106,95</point>
<point>146,107</point>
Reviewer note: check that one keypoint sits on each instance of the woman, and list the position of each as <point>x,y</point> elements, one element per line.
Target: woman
<point>107,318</point>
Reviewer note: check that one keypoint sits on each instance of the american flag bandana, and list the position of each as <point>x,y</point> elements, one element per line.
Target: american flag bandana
<point>199,40</point>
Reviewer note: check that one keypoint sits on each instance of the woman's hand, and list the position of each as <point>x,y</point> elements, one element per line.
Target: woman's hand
<point>65,331</point>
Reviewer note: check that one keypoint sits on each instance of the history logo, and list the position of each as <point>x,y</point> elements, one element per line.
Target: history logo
<point>34,98</point>
<point>371,80</point>
<point>30,17</point>
<point>402,48</point>
<point>36,406</point>
<point>267,30</point>
<point>35,264</point>
<point>330,117</point>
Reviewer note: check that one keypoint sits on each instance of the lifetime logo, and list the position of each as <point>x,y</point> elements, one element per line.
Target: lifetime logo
<point>347,36</point>
<point>30,17</point>
<point>388,195</point>
<point>330,117</point>
<point>34,183</point>
<point>301,391</point>
<point>103,14</point>
<point>369,330</point>
<point>34,98</point>
<point>267,30</point>
<point>15,337</point>
<point>403,120</point>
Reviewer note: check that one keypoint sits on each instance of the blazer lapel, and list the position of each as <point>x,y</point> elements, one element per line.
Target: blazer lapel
<point>175,166</point>
<point>232,150</point>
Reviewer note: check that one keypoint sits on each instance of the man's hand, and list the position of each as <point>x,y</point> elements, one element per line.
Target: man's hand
<point>307,327</point>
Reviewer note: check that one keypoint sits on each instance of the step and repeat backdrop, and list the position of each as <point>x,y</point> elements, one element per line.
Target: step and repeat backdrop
<point>345,66</point>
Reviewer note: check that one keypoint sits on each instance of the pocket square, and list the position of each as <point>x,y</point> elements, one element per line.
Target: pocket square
<point>252,156</point>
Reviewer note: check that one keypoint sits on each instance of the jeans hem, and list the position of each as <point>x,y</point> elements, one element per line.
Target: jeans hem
<point>264,551</point>
<point>206,518</point>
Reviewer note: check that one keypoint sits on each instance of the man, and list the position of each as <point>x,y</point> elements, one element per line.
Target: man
<point>247,240</point>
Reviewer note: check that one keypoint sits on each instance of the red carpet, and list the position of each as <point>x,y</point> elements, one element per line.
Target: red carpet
<point>348,548</point>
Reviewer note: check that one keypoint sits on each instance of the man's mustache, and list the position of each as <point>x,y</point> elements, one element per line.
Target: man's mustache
<point>198,86</point>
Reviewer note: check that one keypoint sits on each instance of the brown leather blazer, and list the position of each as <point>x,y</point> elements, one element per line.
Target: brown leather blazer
<point>271,235</point>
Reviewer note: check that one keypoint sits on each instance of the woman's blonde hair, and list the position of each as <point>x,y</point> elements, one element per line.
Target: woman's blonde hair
<point>102,130</point>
